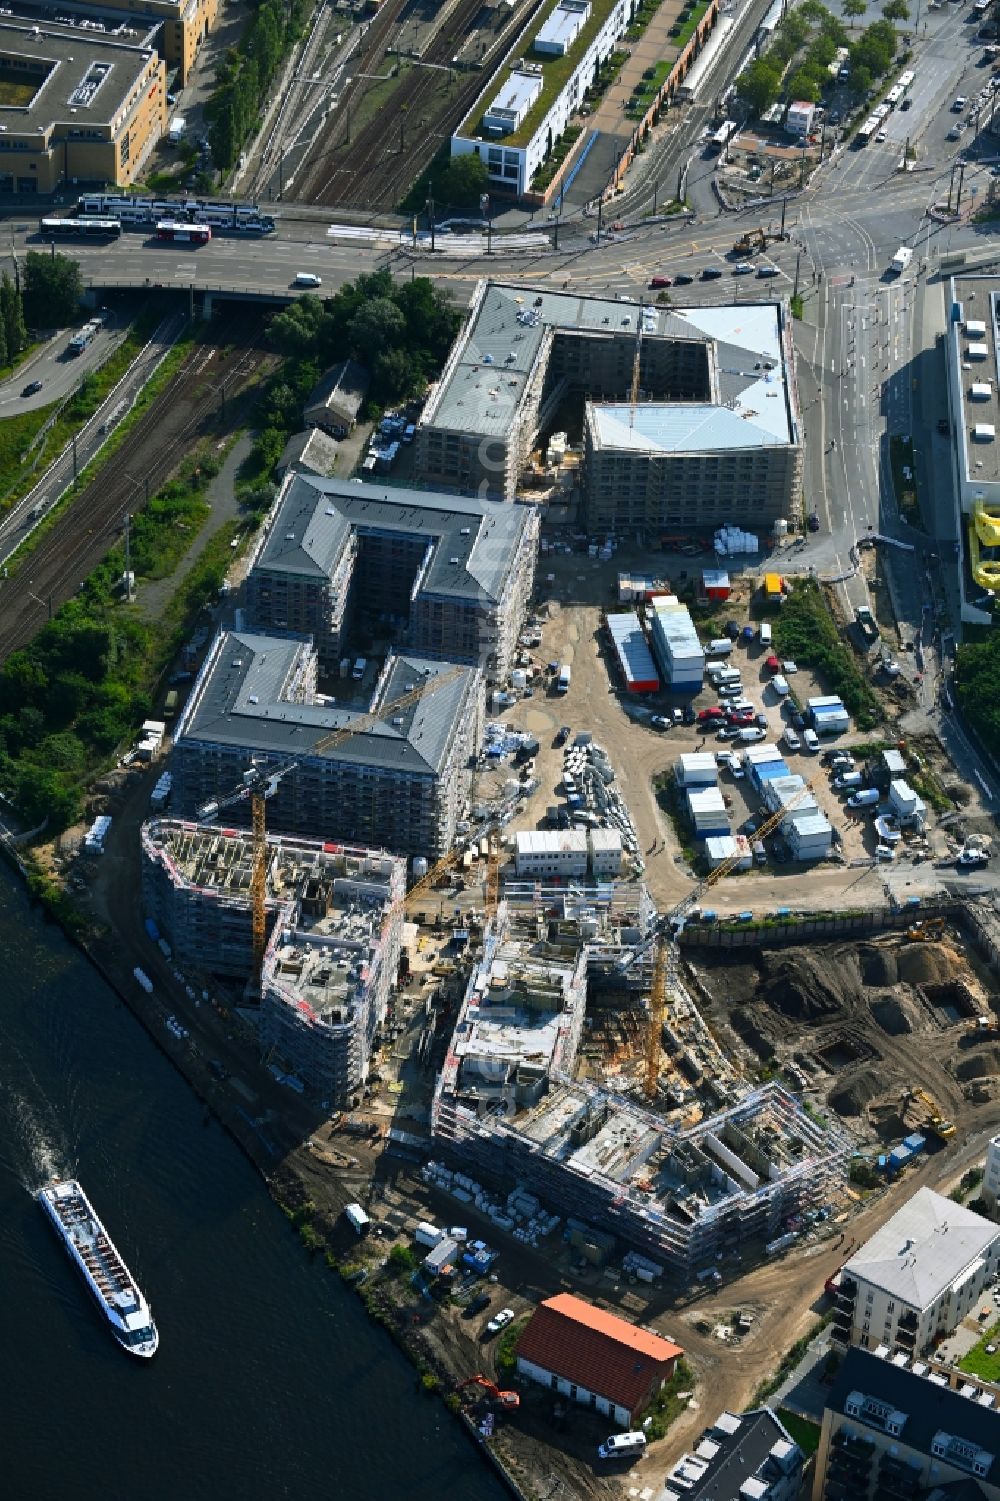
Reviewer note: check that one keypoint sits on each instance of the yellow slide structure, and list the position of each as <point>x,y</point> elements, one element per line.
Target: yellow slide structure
<point>984,533</point>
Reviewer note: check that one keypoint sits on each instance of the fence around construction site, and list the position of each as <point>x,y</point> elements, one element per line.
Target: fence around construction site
<point>730,933</point>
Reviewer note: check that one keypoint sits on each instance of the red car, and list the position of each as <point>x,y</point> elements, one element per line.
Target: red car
<point>740,716</point>
<point>662,281</point>
<point>772,664</point>
<point>706,715</point>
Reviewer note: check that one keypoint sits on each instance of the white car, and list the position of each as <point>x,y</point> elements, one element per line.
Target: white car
<point>500,1320</point>
<point>884,852</point>
<point>881,137</point>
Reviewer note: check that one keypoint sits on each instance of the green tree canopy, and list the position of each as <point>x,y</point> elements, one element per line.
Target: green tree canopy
<point>896,10</point>
<point>376,327</point>
<point>758,85</point>
<point>462,182</point>
<point>854,8</point>
<point>53,289</point>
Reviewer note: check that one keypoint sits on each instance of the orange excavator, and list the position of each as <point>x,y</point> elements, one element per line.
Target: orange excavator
<point>509,1400</point>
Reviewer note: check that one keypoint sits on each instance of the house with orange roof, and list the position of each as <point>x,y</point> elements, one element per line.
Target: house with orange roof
<point>595,1358</point>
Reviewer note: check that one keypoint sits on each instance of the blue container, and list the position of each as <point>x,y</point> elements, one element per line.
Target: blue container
<point>916,1142</point>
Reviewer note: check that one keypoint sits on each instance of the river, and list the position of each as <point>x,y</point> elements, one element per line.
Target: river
<point>270,1380</point>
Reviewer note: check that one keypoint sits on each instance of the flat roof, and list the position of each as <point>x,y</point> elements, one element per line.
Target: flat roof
<point>240,700</point>
<point>509,327</point>
<point>472,543</point>
<point>923,1248</point>
<point>560,28</point>
<point>979,297</point>
<point>518,93</point>
<point>83,78</point>
<point>558,841</point>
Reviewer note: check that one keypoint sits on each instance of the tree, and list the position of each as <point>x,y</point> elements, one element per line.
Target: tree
<point>896,10</point>
<point>854,8</point>
<point>375,327</point>
<point>12,317</point>
<point>462,182</point>
<point>53,289</point>
<point>802,85</point>
<point>862,81</point>
<point>758,84</point>
<point>4,356</point>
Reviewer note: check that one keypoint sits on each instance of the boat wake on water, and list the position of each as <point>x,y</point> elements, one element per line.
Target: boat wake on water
<point>35,1147</point>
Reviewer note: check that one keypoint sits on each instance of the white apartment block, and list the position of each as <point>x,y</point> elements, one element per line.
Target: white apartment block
<point>918,1277</point>
<point>990,1192</point>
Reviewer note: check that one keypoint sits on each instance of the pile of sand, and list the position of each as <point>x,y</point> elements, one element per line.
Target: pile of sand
<point>878,966</point>
<point>894,1014</point>
<point>925,963</point>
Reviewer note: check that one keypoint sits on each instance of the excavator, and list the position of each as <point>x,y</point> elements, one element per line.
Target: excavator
<point>753,240</point>
<point>926,932</point>
<point>509,1400</point>
<point>936,1122</point>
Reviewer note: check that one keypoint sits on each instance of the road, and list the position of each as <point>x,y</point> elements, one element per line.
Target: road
<point>60,373</point>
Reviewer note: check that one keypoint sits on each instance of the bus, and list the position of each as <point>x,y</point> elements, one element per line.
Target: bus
<point>183,234</point>
<point>905,81</point>
<point>720,140</point>
<point>87,334</point>
<point>868,130</point>
<point>93,229</point>
<point>894,95</point>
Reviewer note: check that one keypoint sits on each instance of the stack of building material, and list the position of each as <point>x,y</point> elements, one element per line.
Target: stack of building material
<point>732,540</point>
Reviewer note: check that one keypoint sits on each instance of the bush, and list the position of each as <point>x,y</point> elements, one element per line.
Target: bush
<point>402,1259</point>
<point>805,630</point>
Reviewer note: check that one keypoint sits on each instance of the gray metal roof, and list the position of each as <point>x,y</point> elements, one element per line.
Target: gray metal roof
<point>342,389</point>
<point>473,542</point>
<point>923,1248</point>
<point>239,700</point>
<point>737,1448</point>
<point>930,1408</point>
<point>509,327</point>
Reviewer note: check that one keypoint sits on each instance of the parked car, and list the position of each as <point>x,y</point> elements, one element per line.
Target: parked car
<point>752,734</point>
<point>562,735</point>
<point>661,722</point>
<point>704,715</point>
<point>743,268</point>
<point>683,280</point>
<point>689,714</point>
<point>740,716</point>
<point>810,740</point>
<point>730,732</point>
<point>478,1304</point>
<point>500,1320</point>
<point>790,738</point>
<point>773,664</point>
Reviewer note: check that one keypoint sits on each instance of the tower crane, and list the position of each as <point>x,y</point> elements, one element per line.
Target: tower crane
<point>665,950</point>
<point>260,782</point>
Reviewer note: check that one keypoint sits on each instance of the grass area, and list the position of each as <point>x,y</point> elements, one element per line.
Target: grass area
<point>688,27</point>
<point>505,1354</point>
<point>805,1433</point>
<point>980,1361</point>
<point>900,460</point>
<point>647,89</point>
<point>668,1404</point>
<point>806,631</point>
<point>926,784</point>
<point>668,795</point>
<point>15,93</point>
<point>17,478</point>
<point>556,71</point>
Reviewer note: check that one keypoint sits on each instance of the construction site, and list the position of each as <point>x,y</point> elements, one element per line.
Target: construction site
<point>655,1163</point>
<point>896,1034</point>
<point>334,916</point>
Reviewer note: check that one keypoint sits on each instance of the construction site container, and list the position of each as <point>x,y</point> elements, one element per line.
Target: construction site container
<point>696,769</point>
<point>427,1234</point>
<point>708,811</point>
<point>676,646</point>
<point>634,656</point>
<point>357,1219</point>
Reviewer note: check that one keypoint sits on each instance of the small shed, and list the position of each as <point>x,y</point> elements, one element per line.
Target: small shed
<point>335,403</point>
<point>442,1259</point>
<point>715,584</point>
<point>311,452</point>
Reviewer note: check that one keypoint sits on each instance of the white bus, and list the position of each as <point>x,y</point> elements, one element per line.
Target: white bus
<point>720,140</point>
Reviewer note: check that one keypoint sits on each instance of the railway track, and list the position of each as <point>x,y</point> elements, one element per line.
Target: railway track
<point>374,168</point>
<point>179,416</point>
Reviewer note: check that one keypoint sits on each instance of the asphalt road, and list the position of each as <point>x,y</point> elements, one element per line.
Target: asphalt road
<point>60,373</point>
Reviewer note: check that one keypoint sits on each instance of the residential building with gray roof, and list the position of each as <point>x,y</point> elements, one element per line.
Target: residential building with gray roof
<point>446,577</point>
<point>714,436</point>
<point>399,779</point>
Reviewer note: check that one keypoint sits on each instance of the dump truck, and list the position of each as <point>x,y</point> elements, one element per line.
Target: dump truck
<point>866,623</point>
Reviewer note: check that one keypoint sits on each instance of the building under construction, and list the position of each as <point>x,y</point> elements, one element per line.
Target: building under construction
<point>507,1104</point>
<point>335,918</point>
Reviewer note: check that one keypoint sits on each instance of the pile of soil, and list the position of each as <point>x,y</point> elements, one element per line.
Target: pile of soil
<point>893,1013</point>
<point>981,1065</point>
<point>853,1098</point>
<point>925,963</point>
<point>746,1023</point>
<point>796,986</point>
<point>878,966</point>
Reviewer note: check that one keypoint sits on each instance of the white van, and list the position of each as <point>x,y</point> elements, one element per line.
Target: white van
<point>721,647</point>
<point>623,1445</point>
<point>792,740</point>
<point>720,675</point>
<point>780,685</point>
<point>358,670</point>
<point>307,279</point>
<point>811,740</point>
<point>765,634</point>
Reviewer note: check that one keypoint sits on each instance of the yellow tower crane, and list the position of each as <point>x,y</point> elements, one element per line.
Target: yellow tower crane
<point>665,950</point>
<point>260,782</point>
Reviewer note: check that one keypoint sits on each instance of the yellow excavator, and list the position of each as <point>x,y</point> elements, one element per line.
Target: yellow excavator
<point>936,1122</point>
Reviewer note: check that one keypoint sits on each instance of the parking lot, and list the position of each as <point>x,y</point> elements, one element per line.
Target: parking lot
<point>642,751</point>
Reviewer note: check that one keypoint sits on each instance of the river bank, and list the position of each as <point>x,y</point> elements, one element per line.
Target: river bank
<point>312,1180</point>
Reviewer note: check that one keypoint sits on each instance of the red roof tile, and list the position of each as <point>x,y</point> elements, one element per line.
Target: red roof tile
<point>595,1349</point>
